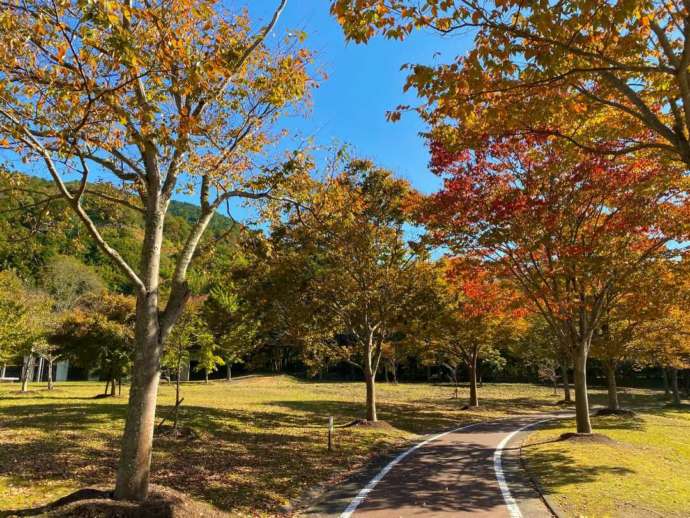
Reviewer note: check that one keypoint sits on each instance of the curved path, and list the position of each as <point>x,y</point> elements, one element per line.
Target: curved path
<point>471,471</point>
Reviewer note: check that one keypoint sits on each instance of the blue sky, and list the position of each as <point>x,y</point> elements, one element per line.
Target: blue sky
<point>364,81</point>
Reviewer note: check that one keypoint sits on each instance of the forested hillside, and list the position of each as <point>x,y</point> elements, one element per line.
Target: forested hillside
<point>35,226</point>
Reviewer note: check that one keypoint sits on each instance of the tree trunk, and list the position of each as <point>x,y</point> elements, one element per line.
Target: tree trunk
<point>177,393</point>
<point>205,375</point>
<point>370,380</point>
<point>107,386</point>
<point>394,371</point>
<point>566,381</point>
<point>135,458</point>
<point>664,378</point>
<point>472,366</point>
<point>372,356</point>
<point>674,386</point>
<point>228,371</point>
<point>613,389</point>
<point>584,424</point>
<point>113,388</point>
<point>50,374</point>
<point>39,371</point>
<point>27,367</point>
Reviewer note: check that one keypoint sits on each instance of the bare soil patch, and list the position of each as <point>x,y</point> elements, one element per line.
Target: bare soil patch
<point>384,425</point>
<point>591,438</point>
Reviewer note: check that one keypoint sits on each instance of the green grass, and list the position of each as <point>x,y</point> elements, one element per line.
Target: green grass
<point>642,472</point>
<point>262,440</point>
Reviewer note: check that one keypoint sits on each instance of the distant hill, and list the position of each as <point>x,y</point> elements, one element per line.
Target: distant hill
<point>190,213</point>
<point>31,231</point>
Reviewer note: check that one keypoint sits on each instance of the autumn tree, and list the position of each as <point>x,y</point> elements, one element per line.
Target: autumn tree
<point>646,298</point>
<point>565,224</point>
<point>660,323</point>
<point>35,326</point>
<point>590,72</point>
<point>232,322</point>
<point>159,97</point>
<point>190,337</point>
<point>99,336</point>
<point>67,279</point>
<point>12,313</point>
<point>358,281</point>
<point>481,314</point>
<point>539,347</point>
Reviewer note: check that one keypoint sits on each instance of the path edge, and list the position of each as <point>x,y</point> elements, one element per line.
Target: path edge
<point>553,508</point>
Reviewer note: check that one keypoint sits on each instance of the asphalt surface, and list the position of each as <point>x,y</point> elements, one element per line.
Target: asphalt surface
<point>454,474</point>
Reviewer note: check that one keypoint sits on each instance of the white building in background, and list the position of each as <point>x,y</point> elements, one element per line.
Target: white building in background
<point>9,372</point>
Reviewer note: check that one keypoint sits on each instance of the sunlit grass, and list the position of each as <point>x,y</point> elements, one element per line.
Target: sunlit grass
<point>262,441</point>
<point>640,473</point>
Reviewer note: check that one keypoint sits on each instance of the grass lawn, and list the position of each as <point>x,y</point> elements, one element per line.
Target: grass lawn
<point>262,441</point>
<point>642,472</point>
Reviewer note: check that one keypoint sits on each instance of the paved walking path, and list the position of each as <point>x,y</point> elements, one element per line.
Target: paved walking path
<point>472,471</point>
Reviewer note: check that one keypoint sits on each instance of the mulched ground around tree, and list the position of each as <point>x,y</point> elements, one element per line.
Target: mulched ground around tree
<point>98,503</point>
<point>586,438</point>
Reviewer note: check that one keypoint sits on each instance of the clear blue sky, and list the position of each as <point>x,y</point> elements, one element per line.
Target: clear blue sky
<point>364,81</point>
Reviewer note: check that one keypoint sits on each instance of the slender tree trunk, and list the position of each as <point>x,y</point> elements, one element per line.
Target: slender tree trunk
<point>674,386</point>
<point>664,378</point>
<point>474,399</point>
<point>177,393</point>
<point>566,381</point>
<point>394,371</point>
<point>3,370</point>
<point>228,371</point>
<point>113,388</point>
<point>27,367</point>
<point>584,424</point>
<point>205,375</point>
<point>613,389</point>
<point>50,375</point>
<point>39,370</point>
<point>135,458</point>
<point>370,379</point>
<point>107,386</point>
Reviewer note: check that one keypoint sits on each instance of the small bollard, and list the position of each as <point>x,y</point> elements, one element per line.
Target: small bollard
<point>330,433</point>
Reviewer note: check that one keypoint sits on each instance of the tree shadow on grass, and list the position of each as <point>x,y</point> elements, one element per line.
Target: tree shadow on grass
<point>629,398</point>
<point>413,417</point>
<point>243,460</point>
<point>563,470</point>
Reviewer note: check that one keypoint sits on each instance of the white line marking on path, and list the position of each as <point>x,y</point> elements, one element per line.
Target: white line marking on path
<point>347,513</point>
<point>511,504</point>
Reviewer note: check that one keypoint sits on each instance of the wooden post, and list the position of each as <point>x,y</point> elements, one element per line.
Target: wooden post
<point>330,433</point>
